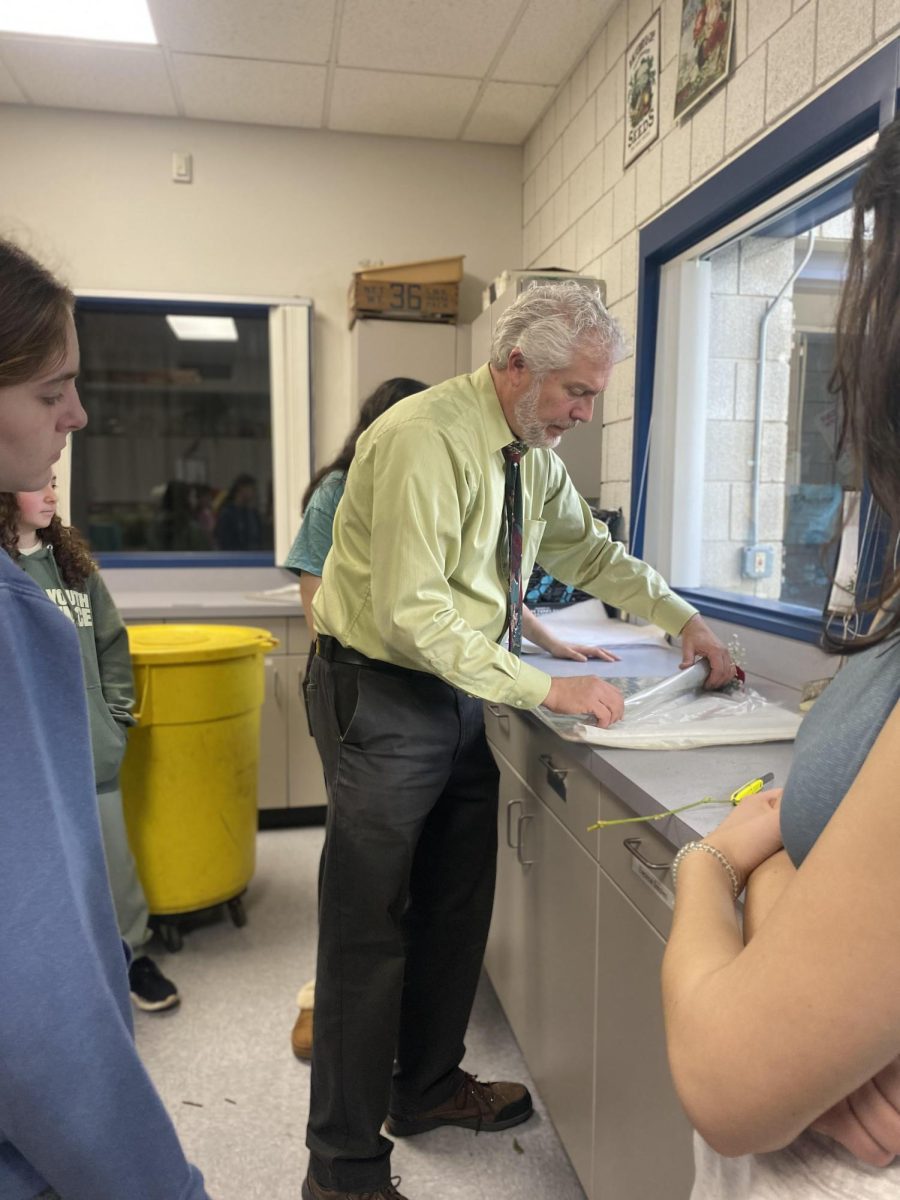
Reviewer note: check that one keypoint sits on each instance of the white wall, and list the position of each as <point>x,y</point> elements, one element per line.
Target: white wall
<point>271,212</point>
<point>582,210</point>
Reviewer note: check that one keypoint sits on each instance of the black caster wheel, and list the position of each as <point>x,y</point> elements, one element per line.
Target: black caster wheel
<point>237,912</point>
<point>170,936</point>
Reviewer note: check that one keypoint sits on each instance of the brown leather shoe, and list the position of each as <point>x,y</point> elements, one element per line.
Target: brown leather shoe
<point>302,1033</point>
<point>484,1107</point>
<point>314,1191</point>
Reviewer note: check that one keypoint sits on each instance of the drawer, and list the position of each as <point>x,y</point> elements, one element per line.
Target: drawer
<point>507,732</point>
<point>568,790</point>
<point>642,867</point>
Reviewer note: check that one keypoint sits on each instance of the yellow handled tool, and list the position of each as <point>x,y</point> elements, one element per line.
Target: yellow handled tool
<point>739,794</point>
<point>751,788</point>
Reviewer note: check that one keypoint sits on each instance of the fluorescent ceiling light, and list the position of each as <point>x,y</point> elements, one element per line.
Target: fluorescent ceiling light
<point>93,20</point>
<point>203,329</point>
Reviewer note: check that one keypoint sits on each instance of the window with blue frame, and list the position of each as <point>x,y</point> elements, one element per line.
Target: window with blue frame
<point>177,454</point>
<point>738,496</point>
<point>746,370</point>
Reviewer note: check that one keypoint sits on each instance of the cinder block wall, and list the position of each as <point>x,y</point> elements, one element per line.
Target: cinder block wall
<point>745,278</point>
<point>582,210</point>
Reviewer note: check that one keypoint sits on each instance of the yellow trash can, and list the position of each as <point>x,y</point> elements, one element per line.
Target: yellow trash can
<point>190,771</point>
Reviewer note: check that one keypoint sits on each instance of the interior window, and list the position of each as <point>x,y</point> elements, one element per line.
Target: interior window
<point>177,454</point>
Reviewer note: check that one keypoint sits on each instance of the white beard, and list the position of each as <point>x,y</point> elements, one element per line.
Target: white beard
<point>531,430</point>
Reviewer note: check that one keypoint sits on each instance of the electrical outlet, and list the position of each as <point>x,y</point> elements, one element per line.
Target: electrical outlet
<point>757,562</point>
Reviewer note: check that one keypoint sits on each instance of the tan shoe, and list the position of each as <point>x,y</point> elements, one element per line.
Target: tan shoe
<point>314,1191</point>
<point>302,1033</point>
<point>484,1107</point>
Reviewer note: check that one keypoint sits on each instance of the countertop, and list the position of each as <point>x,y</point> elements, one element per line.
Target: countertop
<point>197,605</point>
<point>648,781</point>
<point>654,781</point>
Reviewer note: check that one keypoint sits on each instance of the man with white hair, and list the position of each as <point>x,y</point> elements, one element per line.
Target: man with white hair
<point>450,497</point>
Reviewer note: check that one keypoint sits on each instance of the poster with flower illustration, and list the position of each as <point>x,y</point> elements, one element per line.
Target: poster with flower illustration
<point>642,90</point>
<point>704,51</point>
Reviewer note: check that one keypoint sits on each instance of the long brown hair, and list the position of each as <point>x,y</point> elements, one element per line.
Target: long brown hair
<point>70,550</point>
<point>34,317</point>
<point>384,397</point>
<point>867,369</point>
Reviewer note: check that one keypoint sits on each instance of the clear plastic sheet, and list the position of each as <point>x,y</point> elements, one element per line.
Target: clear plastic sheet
<point>675,713</point>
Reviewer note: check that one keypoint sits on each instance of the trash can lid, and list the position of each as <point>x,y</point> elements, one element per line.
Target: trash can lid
<point>159,644</point>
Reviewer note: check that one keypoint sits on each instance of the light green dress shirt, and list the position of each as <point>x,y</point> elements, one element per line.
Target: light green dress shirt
<point>415,578</point>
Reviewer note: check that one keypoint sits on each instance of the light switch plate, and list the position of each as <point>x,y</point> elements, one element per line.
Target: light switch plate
<point>182,168</point>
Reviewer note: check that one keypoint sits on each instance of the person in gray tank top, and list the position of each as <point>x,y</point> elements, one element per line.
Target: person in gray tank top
<point>784,1037</point>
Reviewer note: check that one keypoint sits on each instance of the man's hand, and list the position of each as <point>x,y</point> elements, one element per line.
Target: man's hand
<point>699,641</point>
<point>583,653</point>
<point>536,631</point>
<point>867,1122</point>
<point>586,694</point>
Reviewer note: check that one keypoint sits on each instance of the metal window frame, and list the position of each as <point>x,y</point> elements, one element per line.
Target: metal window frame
<point>854,108</point>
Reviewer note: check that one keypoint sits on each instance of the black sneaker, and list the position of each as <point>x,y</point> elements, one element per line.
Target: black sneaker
<point>150,990</point>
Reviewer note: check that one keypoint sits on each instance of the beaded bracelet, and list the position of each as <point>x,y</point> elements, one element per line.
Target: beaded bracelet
<point>717,854</point>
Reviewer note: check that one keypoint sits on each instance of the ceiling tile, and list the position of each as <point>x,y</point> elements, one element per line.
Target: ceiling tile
<point>262,93</point>
<point>284,30</point>
<point>550,39</point>
<point>65,74</point>
<point>507,112</point>
<point>10,92</point>
<point>443,37</point>
<point>403,105</point>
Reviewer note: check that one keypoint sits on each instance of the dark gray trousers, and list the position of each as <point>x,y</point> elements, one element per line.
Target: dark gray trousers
<point>406,891</point>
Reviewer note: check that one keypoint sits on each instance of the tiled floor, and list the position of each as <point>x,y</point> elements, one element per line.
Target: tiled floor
<point>239,1098</point>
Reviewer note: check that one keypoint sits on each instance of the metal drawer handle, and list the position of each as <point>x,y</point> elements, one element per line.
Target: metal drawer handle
<point>509,807</point>
<point>526,862</point>
<point>632,845</point>
<point>494,710</point>
<point>556,776</point>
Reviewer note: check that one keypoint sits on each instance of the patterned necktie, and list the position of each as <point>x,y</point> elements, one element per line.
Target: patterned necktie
<point>512,507</point>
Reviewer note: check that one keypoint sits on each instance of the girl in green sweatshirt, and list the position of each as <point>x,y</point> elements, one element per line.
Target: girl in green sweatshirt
<point>58,559</point>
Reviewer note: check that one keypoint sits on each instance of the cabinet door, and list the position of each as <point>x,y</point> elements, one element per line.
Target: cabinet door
<point>273,752</point>
<point>506,957</point>
<point>541,958</point>
<point>306,783</point>
<point>562,976</point>
<point>382,349</point>
<point>643,1141</point>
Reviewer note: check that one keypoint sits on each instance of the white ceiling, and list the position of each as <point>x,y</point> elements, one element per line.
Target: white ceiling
<point>475,70</point>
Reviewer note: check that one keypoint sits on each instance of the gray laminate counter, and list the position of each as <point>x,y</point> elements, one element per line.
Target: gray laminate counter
<point>196,606</point>
<point>647,781</point>
<point>653,781</point>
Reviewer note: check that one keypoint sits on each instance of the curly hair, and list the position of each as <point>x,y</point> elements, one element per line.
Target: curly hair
<point>70,550</point>
<point>868,361</point>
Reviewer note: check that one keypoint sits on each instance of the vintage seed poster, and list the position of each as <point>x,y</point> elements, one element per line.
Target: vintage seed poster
<point>642,90</point>
<point>704,51</point>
